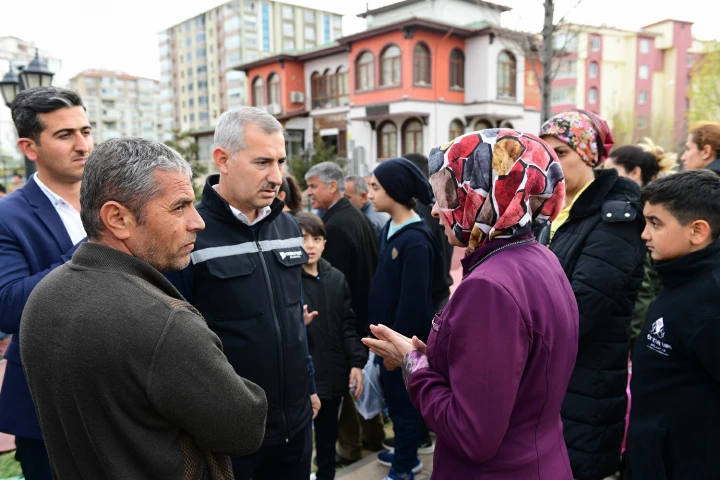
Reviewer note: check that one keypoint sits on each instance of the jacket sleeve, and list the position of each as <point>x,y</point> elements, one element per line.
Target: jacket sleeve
<point>704,344</point>
<point>16,282</point>
<point>646,296</point>
<point>604,267</point>
<point>355,352</point>
<point>338,249</point>
<point>470,411</point>
<point>413,314</point>
<point>191,384</point>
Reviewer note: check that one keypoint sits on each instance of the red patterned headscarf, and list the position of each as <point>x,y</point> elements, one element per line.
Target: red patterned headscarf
<point>496,183</point>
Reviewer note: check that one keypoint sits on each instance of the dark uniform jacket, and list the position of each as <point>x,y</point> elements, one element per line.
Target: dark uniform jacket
<point>247,287</point>
<point>601,252</point>
<point>334,344</point>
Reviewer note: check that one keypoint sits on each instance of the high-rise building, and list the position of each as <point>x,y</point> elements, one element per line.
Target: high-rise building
<point>16,52</point>
<point>118,104</point>
<point>637,80</point>
<point>197,57</point>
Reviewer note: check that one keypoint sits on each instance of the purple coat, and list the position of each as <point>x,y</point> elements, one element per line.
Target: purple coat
<point>499,359</point>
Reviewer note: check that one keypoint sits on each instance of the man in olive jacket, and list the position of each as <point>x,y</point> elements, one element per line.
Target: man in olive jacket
<point>126,377</point>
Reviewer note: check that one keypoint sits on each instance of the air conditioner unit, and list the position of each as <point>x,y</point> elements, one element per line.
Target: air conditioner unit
<point>297,97</point>
<point>273,109</point>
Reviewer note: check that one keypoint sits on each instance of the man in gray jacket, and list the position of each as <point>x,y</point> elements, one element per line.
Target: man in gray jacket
<point>126,377</point>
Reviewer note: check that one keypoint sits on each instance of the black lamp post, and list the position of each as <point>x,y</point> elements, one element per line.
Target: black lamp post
<point>35,74</point>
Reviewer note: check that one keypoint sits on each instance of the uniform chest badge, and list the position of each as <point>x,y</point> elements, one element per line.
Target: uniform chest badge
<point>394,253</point>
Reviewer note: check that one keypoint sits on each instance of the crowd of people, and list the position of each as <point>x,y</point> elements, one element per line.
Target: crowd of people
<point>153,337</point>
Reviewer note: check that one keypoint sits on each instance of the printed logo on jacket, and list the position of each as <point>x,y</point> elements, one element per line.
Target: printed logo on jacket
<point>656,338</point>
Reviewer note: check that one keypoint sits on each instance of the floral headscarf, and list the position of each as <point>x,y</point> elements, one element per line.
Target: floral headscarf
<point>496,183</point>
<point>585,132</point>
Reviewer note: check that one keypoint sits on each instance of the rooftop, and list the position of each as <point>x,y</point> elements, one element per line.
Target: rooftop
<point>404,3</point>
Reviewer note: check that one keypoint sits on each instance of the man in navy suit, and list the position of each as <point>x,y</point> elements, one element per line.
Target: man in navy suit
<point>40,228</point>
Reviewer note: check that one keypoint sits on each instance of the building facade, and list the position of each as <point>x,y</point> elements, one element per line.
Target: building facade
<point>402,86</point>
<point>198,57</point>
<point>637,80</point>
<point>16,52</point>
<point>118,104</point>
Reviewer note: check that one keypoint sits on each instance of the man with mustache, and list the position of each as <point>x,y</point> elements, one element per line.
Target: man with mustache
<point>40,228</point>
<point>128,380</point>
<point>245,278</point>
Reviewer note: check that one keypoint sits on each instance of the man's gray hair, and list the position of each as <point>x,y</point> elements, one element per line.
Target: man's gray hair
<point>327,172</point>
<point>230,129</point>
<point>361,185</point>
<point>123,170</point>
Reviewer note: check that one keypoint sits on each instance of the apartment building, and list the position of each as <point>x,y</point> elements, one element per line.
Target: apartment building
<point>198,57</point>
<point>423,73</point>
<point>637,80</point>
<point>118,104</point>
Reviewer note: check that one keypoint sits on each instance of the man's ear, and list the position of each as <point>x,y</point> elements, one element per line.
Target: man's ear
<point>28,147</point>
<point>363,196</point>
<point>118,220</point>
<point>700,232</point>
<point>221,158</point>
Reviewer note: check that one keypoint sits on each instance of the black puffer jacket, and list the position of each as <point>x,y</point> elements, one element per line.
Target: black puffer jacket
<point>334,343</point>
<point>600,249</point>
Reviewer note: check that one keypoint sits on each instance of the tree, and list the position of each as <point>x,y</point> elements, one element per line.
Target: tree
<point>188,148</point>
<point>320,152</point>
<point>704,91</point>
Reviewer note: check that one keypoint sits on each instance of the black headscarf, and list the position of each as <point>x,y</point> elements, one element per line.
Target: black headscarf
<point>403,181</point>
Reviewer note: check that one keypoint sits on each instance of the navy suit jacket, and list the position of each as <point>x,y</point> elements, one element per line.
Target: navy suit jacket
<point>33,241</point>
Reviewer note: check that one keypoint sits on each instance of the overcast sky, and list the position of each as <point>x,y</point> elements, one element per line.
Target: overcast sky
<point>122,35</point>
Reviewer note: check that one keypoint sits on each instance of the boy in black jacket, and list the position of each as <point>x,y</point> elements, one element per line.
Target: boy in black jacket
<point>674,428</point>
<point>401,294</point>
<point>338,355</point>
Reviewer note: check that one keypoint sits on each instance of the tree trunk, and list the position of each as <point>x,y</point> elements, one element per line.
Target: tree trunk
<point>547,58</point>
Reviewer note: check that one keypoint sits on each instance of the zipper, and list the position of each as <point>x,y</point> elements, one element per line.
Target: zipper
<point>279,339</point>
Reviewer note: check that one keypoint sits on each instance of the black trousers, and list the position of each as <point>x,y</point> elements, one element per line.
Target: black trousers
<point>289,461</point>
<point>33,458</point>
<point>326,434</point>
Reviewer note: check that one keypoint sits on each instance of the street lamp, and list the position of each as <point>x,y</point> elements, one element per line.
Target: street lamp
<point>35,74</point>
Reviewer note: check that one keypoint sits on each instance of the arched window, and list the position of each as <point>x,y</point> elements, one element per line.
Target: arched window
<point>457,69</point>
<point>316,89</point>
<point>593,69</point>
<point>387,140</point>
<point>365,72</point>
<point>507,69</point>
<point>483,125</point>
<point>412,137</point>
<point>274,89</point>
<point>593,96</point>
<point>421,64</point>
<point>506,124</point>
<point>258,92</point>
<point>390,67</point>
<point>330,81</point>
<point>456,129</point>
<point>342,86</point>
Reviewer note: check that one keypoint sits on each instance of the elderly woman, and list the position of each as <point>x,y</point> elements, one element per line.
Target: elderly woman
<point>492,377</point>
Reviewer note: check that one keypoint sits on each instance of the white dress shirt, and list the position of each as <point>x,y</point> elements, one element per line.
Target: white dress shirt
<point>261,213</point>
<point>69,216</point>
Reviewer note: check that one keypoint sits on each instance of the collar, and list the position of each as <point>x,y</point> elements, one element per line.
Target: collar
<point>714,166</point>
<point>468,263</point>
<point>101,257</point>
<point>681,270</point>
<point>261,214</point>
<point>54,198</point>
<point>213,200</point>
<point>366,208</point>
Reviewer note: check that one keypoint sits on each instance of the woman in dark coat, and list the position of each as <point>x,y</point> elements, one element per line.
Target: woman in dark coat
<point>596,237</point>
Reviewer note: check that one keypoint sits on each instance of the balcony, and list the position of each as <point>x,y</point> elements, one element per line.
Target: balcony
<point>272,109</point>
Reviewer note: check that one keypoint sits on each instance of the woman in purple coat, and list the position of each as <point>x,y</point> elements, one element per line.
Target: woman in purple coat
<point>493,375</point>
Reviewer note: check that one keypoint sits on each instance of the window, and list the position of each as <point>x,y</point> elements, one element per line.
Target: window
<point>483,125</point>
<point>191,103</point>
<point>317,90</point>
<point>192,117</point>
<point>202,69</point>
<point>200,21</point>
<point>231,25</point>
<point>563,96</point>
<point>564,68</point>
<point>421,65</point>
<point>593,96</point>
<point>288,44</point>
<point>250,23</point>
<point>457,69</point>
<point>337,22</point>
<point>412,137</point>
<point>456,129</point>
<point>326,28</point>
<point>343,86</point>
<point>309,16</point>
<point>250,40</point>
<point>390,67</point>
<point>644,45</point>
<point>593,69</point>
<point>289,29</point>
<point>202,84</point>
<point>506,74</point>
<point>188,56</point>
<point>644,72</point>
<point>201,53</point>
<point>266,27</point>
<point>258,92</point>
<point>190,87</point>
<point>232,59</point>
<point>233,41</point>
<point>690,60</point>
<point>566,42</point>
<point>249,6</point>
<point>190,72</point>
<point>200,37</point>
<point>641,123</point>
<point>287,12</point>
<point>274,88</point>
<point>642,97</point>
<point>387,140</point>
<point>204,117</point>
<point>309,33</point>
<point>595,43</point>
<point>365,72</point>
<point>203,100</point>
